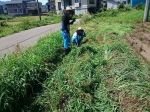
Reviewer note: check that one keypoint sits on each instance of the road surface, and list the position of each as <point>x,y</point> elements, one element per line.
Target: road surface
<point>25,38</point>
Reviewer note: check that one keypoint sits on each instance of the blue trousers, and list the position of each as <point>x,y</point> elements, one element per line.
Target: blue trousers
<point>66,39</point>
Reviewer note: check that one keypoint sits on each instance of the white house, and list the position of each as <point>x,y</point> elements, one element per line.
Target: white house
<point>80,6</point>
<point>113,4</point>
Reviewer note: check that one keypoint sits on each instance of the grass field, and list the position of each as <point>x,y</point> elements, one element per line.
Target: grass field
<point>17,24</point>
<point>104,74</point>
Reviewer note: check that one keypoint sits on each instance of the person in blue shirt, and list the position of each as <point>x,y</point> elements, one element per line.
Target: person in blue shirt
<point>78,36</point>
<point>65,31</point>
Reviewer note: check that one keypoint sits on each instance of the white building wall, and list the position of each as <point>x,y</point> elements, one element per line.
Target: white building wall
<point>114,4</point>
<point>83,9</point>
<point>78,10</point>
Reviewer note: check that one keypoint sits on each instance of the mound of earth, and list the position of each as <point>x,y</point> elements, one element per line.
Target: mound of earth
<point>140,39</point>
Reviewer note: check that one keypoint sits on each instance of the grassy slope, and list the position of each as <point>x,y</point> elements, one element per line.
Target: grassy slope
<point>20,74</point>
<point>103,74</point>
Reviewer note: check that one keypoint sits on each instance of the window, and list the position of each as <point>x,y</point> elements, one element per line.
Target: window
<point>59,5</point>
<point>91,1</point>
<point>77,1</point>
<point>52,6</point>
<point>16,10</point>
<point>70,2</point>
<point>124,2</point>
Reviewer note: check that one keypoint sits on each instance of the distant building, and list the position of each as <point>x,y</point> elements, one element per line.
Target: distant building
<point>51,5</point>
<point>2,7</point>
<point>32,7</point>
<point>113,4</point>
<point>79,6</point>
<point>44,8</point>
<point>22,7</point>
<point>15,7</point>
<point>1,10</point>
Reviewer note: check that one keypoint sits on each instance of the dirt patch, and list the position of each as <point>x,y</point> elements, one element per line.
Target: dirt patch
<point>140,39</point>
<point>130,104</point>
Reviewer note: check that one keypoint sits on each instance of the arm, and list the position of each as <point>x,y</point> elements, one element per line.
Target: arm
<point>77,43</point>
<point>73,20</point>
<point>84,35</point>
<point>75,39</point>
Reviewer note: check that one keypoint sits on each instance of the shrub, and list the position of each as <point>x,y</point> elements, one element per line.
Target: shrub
<point>121,6</point>
<point>140,6</point>
<point>26,24</point>
<point>127,7</point>
<point>3,23</point>
<point>5,17</point>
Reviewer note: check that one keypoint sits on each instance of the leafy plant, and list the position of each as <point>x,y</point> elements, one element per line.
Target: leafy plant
<point>121,6</point>
<point>140,6</point>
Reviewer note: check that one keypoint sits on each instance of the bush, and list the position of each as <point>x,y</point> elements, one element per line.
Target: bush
<point>121,6</point>
<point>109,13</point>
<point>104,6</point>
<point>3,23</point>
<point>127,7</point>
<point>51,13</point>
<point>140,6</point>
<point>5,17</point>
<point>86,18</point>
<point>26,24</point>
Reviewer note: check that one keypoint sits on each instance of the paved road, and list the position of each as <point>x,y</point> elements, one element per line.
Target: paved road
<point>25,38</point>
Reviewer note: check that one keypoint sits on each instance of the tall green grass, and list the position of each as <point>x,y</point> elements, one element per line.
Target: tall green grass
<point>20,75</point>
<point>6,17</point>
<point>132,16</point>
<point>101,74</point>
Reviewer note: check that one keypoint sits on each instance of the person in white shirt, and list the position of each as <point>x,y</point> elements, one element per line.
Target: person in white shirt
<point>78,36</point>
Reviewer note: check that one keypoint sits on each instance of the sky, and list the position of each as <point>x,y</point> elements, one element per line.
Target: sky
<point>43,1</point>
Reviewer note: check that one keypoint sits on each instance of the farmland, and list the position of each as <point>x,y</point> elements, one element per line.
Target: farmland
<point>104,74</point>
<point>10,25</point>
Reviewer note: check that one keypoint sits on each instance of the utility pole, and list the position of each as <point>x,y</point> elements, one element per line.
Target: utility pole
<point>38,10</point>
<point>64,4</point>
<point>146,12</point>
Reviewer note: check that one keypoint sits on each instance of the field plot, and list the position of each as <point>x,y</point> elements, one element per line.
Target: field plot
<point>103,74</point>
<point>140,39</point>
<point>11,25</point>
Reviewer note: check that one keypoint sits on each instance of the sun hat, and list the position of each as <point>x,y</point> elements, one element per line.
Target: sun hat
<point>79,28</point>
<point>68,8</point>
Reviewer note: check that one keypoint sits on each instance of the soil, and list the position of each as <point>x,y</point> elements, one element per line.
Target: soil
<point>130,104</point>
<point>140,39</point>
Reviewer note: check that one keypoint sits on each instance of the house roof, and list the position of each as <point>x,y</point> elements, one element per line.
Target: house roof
<point>13,2</point>
<point>34,2</point>
<point>2,3</point>
<point>114,0</point>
